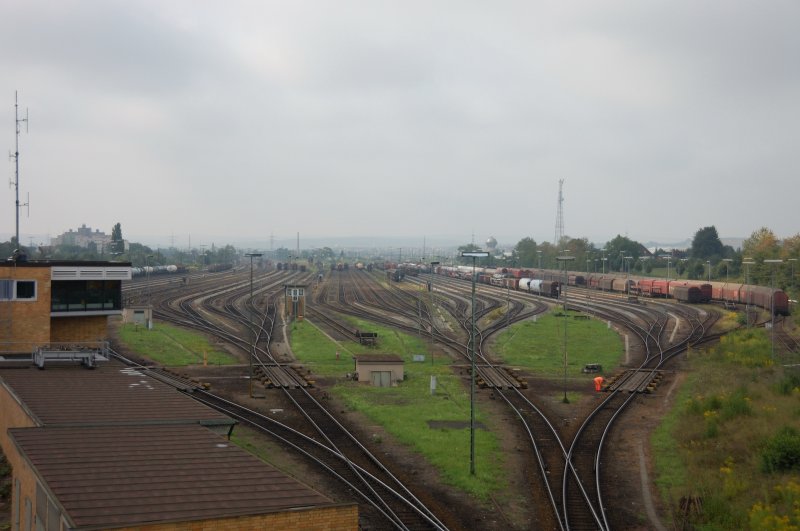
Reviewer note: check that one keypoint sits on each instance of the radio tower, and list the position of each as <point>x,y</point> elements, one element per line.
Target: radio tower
<point>15,156</point>
<point>559,214</point>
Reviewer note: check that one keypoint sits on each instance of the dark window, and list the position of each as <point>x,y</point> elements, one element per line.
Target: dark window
<point>86,295</point>
<point>26,289</point>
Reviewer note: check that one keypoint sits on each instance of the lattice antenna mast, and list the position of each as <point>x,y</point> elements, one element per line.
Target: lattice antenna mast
<point>17,122</point>
<point>559,214</point>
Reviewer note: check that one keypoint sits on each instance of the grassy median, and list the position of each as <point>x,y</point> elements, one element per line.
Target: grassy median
<point>434,425</point>
<point>172,346</point>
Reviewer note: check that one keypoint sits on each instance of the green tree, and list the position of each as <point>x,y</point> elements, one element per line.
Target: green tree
<point>620,247</point>
<point>117,242</point>
<point>761,245</point>
<point>525,252</point>
<point>706,244</point>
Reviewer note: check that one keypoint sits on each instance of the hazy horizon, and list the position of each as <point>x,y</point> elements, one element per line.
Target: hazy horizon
<point>404,120</point>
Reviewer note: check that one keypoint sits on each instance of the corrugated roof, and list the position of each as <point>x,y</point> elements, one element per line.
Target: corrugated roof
<point>129,475</point>
<point>71,395</point>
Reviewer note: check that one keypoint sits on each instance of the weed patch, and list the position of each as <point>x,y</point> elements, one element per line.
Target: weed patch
<point>734,443</point>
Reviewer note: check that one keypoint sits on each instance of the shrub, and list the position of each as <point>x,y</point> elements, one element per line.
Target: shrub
<point>789,383</point>
<point>781,453</point>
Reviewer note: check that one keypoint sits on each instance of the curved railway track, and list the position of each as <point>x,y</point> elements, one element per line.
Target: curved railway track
<point>568,465</point>
<point>227,313</point>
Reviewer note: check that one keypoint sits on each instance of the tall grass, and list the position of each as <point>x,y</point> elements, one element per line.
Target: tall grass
<point>730,438</point>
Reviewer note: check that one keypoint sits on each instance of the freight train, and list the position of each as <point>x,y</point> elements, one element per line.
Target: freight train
<point>548,282</point>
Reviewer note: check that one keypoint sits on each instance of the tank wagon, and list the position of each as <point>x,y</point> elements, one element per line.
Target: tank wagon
<point>547,288</point>
<point>157,270</point>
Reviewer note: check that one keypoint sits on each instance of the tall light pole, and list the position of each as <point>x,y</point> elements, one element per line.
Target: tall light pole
<point>255,328</point>
<point>708,263</point>
<point>727,274</point>
<point>565,259</point>
<point>474,255</point>
<point>147,269</point>
<point>540,259</point>
<point>430,288</point>
<point>604,260</point>
<point>747,263</point>
<point>772,301</point>
<point>628,274</point>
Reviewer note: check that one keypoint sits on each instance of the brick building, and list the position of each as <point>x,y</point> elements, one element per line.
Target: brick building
<point>46,303</point>
<point>111,448</point>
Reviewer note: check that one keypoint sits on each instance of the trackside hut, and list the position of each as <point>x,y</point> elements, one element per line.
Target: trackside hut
<point>380,370</point>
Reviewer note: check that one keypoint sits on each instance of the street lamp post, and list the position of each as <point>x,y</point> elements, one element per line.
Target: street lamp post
<point>772,301</point>
<point>708,263</point>
<point>255,328</point>
<point>627,268</point>
<point>540,259</point>
<point>430,289</point>
<point>604,260</point>
<point>727,272</point>
<point>474,255</point>
<point>565,259</point>
<point>147,269</point>
<point>747,263</point>
<point>727,268</point>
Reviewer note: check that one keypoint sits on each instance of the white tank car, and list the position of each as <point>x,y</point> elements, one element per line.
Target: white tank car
<point>536,287</point>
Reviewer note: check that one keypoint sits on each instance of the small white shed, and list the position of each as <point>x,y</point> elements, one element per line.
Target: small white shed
<point>138,314</point>
<point>379,370</point>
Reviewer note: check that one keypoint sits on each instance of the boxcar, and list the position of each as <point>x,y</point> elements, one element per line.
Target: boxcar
<point>686,293</point>
<point>548,288</point>
<point>622,285</point>
<point>577,280</point>
<point>606,283</point>
<point>654,287</point>
<point>724,291</point>
<point>705,289</point>
<point>763,296</point>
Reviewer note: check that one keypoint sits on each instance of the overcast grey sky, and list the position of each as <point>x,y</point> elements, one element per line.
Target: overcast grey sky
<point>227,121</point>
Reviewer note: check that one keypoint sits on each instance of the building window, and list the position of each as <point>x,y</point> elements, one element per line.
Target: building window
<point>86,296</point>
<point>17,290</point>
<point>26,289</point>
<point>6,290</point>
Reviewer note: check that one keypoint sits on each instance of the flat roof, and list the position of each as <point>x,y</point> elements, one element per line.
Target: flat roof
<point>69,263</point>
<point>111,394</point>
<point>378,358</point>
<point>118,476</point>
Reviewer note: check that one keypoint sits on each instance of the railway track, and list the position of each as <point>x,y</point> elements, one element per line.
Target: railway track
<point>571,473</point>
<point>227,312</point>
